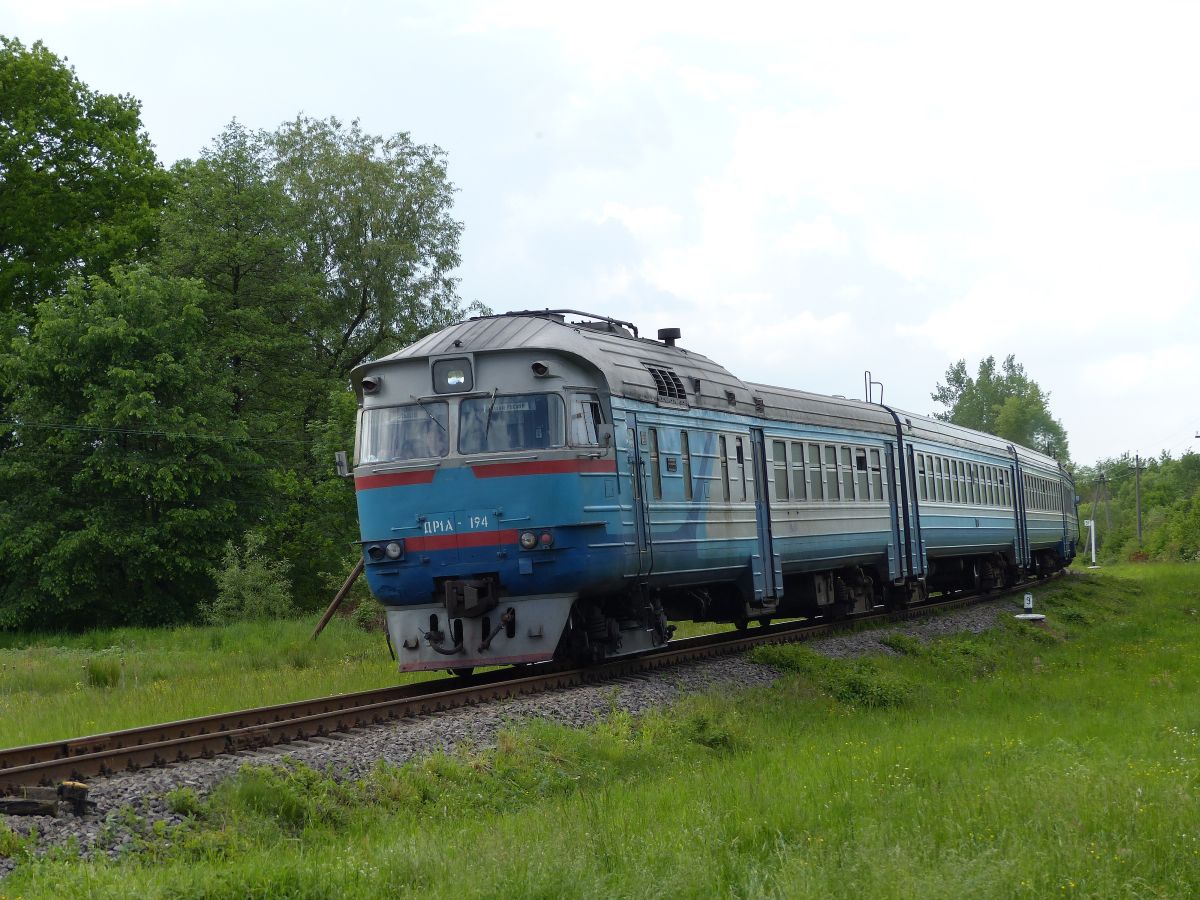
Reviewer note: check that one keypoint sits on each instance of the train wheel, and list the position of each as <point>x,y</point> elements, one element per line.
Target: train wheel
<point>764,621</point>
<point>742,624</point>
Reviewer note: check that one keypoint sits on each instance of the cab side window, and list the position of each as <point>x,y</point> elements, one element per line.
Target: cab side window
<point>586,417</point>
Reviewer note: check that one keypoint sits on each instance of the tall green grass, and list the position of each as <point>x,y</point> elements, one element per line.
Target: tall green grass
<point>1023,762</point>
<point>55,686</point>
<point>60,686</point>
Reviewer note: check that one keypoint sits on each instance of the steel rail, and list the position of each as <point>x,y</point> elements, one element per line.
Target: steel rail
<point>207,736</point>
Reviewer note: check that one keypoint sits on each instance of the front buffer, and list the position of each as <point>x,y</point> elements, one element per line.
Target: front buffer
<point>475,631</point>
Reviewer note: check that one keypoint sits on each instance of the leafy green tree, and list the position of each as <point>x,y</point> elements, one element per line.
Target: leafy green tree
<point>1170,507</point>
<point>376,230</point>
<point>127,471</point>
<point>318,246</point>
<point>79,181</point>
<point>1005,402</point>
<point>229,225</point>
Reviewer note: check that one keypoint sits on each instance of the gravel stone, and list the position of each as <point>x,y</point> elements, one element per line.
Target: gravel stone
<point>111,831</point>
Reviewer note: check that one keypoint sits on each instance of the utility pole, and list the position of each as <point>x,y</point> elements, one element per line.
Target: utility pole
<point>1137,492</point>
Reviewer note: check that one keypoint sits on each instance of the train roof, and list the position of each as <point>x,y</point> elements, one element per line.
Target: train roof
<point>671,376</point>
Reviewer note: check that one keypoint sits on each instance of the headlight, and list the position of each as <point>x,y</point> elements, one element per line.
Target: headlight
<point>547,540</point>
<point>528,540</point>
<point>394,550</point>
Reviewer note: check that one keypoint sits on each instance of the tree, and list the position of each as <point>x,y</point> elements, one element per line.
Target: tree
<point>1006,403</point>
<point>79,181</point>
<point>318,246</point>
<point>127,469</point>
<point>376,231</point>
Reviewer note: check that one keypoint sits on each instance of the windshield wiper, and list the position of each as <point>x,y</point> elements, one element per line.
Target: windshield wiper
<point>487,420</point>
<point>427,412</point>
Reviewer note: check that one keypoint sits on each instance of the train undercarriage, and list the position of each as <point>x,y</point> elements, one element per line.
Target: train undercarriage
<point>477,625</point>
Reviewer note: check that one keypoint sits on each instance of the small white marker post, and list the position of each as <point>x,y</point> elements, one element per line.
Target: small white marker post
<point>1029,615</point>
<point>1090,525</point>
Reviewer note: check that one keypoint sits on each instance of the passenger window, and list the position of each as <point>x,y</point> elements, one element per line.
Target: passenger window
<point>586,417</point>
<point>779,452</point>
<point>798,492</point>
<point>922,489</point>
<point>816,487</point>
<point>685,452</point>
<point>862,475</point>
<point>939,489</point>
<point>741,466</point>
<point>876,476</point>
<point>655,470</point>
<point>955,479</point>
<point>831,478</point>
<point>723,450</point>
<point>846,466</point>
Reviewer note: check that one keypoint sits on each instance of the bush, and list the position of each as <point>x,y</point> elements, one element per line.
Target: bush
<point>250,585</point>
<point>369,615</point>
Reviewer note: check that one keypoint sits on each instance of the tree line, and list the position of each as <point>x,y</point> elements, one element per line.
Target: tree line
<point>1003,400</point>
<point>175,343</point>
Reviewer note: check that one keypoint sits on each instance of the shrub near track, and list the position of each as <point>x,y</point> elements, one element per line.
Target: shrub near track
<point>1018,762</point>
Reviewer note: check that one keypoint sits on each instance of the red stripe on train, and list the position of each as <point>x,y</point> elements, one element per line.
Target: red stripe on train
<point>460,541</point>
<point>393,479</point>
<point>545,467</point>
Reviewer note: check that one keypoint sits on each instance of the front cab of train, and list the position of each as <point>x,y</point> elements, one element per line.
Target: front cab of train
<point>488,501</point>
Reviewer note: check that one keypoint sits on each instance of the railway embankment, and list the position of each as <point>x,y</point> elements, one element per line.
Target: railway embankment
<point>966,752</point>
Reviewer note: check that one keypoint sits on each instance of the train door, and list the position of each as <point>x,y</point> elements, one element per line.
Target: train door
<point>1024,557</point>
<point>918,538</point>
<point>767,567</point>
<point>641,480</point>
<point>898,563</point>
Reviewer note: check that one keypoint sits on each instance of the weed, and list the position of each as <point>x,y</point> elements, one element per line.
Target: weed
<point>13,844</point>
<point>790,658</point>
<point>715,727</point>
<point>861,683</point>
<point>184,801</point>
<point>103,671</point>
<point>903,643</point>
<point>369,615</point>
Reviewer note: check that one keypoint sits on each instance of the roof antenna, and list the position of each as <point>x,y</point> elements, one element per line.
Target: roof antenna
<point>868,385</point>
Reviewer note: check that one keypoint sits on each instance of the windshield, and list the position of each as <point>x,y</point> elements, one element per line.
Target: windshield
<point>510,422</point>
<point>404,432</point>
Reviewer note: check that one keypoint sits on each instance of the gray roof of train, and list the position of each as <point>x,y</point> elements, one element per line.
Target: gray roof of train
<point>622,359</point>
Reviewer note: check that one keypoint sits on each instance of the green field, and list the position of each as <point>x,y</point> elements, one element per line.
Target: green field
<point>1022,762</point>
<point>63,686</point>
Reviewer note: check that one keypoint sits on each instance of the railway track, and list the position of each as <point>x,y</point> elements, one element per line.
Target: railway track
<point>248,729</point>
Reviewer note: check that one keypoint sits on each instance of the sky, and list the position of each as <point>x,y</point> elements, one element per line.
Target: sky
<point>807,190</point>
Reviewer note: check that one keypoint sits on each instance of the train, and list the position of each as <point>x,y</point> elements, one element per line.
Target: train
<point>544,485</point>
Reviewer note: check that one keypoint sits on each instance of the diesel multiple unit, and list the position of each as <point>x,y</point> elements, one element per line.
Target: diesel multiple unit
<point>549,484</point>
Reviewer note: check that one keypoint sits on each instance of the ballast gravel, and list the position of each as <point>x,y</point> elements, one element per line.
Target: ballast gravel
<point>113,831</point>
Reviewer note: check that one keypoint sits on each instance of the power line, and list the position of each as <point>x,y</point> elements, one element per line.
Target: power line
<point>64,426</point>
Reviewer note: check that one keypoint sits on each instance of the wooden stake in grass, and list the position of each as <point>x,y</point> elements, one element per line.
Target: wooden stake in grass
<point>338,598</point>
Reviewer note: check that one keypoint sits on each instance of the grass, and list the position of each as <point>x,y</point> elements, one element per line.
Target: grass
<point>60,686</point>
<point>55,686</point>
<point>1021,762</point>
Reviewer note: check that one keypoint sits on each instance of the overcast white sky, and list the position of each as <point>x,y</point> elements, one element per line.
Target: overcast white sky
<point>807,191</point>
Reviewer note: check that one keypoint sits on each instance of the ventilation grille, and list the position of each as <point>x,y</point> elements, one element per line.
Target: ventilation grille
<point>670,387</point>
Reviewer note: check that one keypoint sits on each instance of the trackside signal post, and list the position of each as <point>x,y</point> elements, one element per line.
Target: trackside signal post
<point>1090,525</point>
